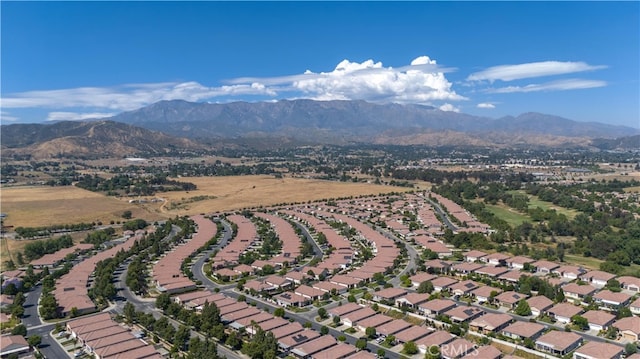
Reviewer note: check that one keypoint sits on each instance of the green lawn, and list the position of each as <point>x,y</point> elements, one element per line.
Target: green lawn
<point>511,216</point>
<point>534,202</point>
<point>587,262</point>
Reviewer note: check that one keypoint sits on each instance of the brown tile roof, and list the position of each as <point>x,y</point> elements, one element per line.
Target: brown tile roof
<point>609,296</point>
<point>600,350</point>
<point>565,310</point>
<point>438,337</point>
<point>413,333</point>
<point>540,302</point>
<point>599,317</point>
<point>437,305</point>
<point>484,352</point>
<point>491,321</point>
<point>463,313</point>
<point>524,329</point>
<point>510,297</point>
<point>631,324</point>
<point>559,340</point>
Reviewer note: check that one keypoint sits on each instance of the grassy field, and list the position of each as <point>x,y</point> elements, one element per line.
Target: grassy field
<point>632,189</point>
<point>232,193</point>
<point>510,215</point>
<point>45,206</point>
<point>534,202</point>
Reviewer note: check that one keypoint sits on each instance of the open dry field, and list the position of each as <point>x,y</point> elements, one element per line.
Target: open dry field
<point>44,206</point>
<point>232,193</point>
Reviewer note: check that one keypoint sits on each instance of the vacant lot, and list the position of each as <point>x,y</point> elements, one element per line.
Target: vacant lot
<point>231,193</point>
<point>45,206</point>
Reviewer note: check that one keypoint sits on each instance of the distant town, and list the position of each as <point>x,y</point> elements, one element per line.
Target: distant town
<point>323,252</point>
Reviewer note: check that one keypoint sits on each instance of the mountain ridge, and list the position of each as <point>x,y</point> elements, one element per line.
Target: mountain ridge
<point>353,120</point>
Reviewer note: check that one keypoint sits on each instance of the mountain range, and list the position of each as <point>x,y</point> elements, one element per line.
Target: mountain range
<point>169,125</point>
<point>339,121</point>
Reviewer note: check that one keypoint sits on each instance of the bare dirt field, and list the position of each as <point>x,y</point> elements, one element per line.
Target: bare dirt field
<point>232,193</point>
<point>37,206</point>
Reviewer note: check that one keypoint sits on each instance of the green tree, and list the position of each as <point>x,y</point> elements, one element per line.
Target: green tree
<point>425,287</point>
<point>410,348</point>
<point>630,348</point>
<point>182,337</point>
<point>324,330</point>
<point>351,298</point>
<point>129,312</point>
<point>370,332</point>
<point>19,329</point>
<point>581,322</point>
<point>262,346</point>
<point>279,312</point>
<point>34,341</point>
<point>336,319</point>
<point>361,344</point>
<point>522,308</point>
<point>322,313</point>
<point>381,353</point>
<point>234,341</point>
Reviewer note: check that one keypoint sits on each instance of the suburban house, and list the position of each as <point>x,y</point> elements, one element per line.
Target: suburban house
<point>630,283</point>
<point>412,334</point>
<point>635,307</point>
<point>437,338</point>
<point>629,328</point>
<point>13,345</point>
<point>492,272</point>
<point>545,267</point>
<point>436,307</point>
<point>484,352</point>
<point>442,283</point>
<point>473,256</point>
<point>388,294</point>
<point>483,293</point>
<point>569,272</point>
<point>463,314</point>
<point>496,259</point>
<point>463,288</point>
<point>509,299</point>
<point>418,278</point>
<point>354,317</point>
<point>597,277</point>
<point>456,349</point>
<point>598,319</point>
<point>521,330</point>
<point>490,322</point>
<point>539,305</point>
<point>392,328</point>
<point>596,350</point>
<point>307,349</point>
<point>563,312</point>
<point>412,300</point>
<point>518,262</point>
<point>373,322</point>
<point>611,300</point>
<point>578,292</point>
<point>558,343</point>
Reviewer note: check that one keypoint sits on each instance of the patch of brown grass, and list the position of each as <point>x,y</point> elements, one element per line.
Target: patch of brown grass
<point>237,192</point>
<point>44,206</point>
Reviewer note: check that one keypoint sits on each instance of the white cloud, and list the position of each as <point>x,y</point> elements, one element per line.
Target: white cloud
<point>449,107</point>
<point>422,81</point>
<point>6,117</point>
<point>486,105</point>
<point>560,85</point>
<point>74,116</point>
<point>532,69</point>
<point>128,96</point>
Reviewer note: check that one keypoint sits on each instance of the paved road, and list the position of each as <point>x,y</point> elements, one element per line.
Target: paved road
<point>49,347</point>
<point>443,215</point>
<point>31,316</point>
<point>318,253</point>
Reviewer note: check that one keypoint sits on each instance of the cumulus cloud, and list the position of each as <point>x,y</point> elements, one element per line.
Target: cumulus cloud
<point>532,69</point>
<point>449,107</point>
<point>74,116</point>
<point>486,105</point>
<point>560,85</point>
<point>422,81</point>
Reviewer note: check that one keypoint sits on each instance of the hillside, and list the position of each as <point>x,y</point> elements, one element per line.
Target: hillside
<point>87,139</point>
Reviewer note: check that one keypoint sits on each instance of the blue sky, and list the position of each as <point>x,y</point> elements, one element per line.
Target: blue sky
<point>73,60</point>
